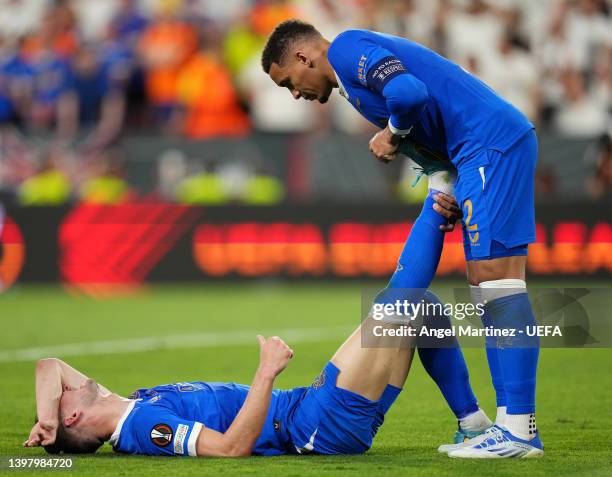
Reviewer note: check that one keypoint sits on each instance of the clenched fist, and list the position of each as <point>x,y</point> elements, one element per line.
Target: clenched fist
<point>384,145</point>
<point>274,355</point>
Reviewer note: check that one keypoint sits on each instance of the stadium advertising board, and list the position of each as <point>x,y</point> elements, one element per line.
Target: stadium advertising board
<point>133,243</point>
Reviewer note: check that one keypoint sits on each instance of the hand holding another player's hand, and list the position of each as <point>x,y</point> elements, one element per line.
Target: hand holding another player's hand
<point>42,434</point>
<point>274,355</point>
<point>446,205</point>
<point>384,145</point>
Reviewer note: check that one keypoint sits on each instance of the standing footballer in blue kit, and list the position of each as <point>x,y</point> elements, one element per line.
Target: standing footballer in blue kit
<point>423,102</point>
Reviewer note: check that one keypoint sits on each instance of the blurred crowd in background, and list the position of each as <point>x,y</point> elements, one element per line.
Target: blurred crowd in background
<point>77,77</point>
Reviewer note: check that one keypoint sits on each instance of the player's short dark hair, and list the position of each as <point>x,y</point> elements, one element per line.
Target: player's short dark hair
<point>70,442</point>
<point>284,35</point>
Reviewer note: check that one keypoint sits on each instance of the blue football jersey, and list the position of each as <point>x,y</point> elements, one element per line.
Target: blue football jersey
<point>422,95</point>
<point>167,420</point>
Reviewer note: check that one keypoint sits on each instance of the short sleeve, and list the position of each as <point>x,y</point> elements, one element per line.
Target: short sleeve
<point>158,431</point>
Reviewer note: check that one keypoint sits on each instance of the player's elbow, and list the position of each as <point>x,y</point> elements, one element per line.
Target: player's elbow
<point>213,444</point>
<point>415,101</point>
<point>237,447</point>
<point>228,451</point>
<point>421,96</point>
<point>238,451</point>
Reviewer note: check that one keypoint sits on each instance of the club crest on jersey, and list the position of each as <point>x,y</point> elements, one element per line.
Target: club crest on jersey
<point>161,435</point>
<point>319,380</point>
<point>143,394</point>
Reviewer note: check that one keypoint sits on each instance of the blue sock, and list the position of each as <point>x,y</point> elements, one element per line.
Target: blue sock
<point>494,364</point>
<point>447,367</point>
<point>518,356</point>
<point>416,269</point>
<point>419,260</point>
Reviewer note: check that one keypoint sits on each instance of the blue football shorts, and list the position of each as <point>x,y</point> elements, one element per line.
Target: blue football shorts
<point>497,200</point>
<point>332,420</point>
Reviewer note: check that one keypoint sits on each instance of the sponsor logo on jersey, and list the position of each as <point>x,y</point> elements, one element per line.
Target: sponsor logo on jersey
<point>161,435</point>
<point>179,438</point>
<point>361,70</point>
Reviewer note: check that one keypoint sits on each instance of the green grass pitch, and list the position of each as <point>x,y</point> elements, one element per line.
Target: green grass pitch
<point>574,386</point>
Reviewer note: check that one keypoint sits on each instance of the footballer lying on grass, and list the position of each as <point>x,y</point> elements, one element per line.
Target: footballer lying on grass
<point>339,413</point>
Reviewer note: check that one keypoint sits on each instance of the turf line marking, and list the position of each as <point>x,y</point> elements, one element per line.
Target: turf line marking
<point>191,340</point>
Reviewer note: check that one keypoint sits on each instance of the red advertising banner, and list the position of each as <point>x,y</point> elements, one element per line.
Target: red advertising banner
<point>366,249</point>
<point>90,246</point>
<point>12,252</point>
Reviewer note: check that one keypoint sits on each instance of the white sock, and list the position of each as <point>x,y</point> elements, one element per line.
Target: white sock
<point>443,181</point>
<point>500,419</point>
<point>475,294</point>
<point>477,421</point>
<point>501,288</point>
<point>522,426</point>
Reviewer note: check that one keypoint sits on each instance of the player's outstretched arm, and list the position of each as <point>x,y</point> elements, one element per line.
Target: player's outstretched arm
<point>240,438</point>
<point>53,376</point>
